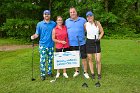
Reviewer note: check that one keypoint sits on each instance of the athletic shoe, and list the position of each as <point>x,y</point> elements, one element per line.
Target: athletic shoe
<point>50,75</point>
<point>76,73</point>
<point>65,75</point>
<point>93,76</point>
<point>43,78</point>
<point>99,76</point>
<point>57,75</point>
<point>86,75</point>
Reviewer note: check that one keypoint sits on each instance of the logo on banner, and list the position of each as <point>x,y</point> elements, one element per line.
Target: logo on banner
<point>68,59</point>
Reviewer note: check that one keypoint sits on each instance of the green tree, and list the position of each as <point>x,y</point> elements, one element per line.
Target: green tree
<point>19,14</point>
<point>118,17</point>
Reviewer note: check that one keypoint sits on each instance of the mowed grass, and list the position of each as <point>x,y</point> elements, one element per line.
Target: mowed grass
<point>120,71</point>
<point>11,41</point>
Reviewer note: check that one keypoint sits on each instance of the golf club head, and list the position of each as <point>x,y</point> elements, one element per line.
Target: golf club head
<point>97,84</point>
<point>52,81</point>
<point>33,79</point>
<point>84,85</point>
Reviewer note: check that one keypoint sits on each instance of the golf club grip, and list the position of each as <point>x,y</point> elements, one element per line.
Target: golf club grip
<point>95,37</point>
<point>63,44</point>
<point>32,43</point>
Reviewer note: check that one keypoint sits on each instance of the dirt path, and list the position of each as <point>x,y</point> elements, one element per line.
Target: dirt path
<point>13,47</point>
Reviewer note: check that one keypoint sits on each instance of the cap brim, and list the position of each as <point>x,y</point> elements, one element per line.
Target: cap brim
<point>47,13</point>
<point>89,15</point>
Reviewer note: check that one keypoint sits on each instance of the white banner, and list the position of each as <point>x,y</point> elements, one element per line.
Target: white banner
<point>68,59</point>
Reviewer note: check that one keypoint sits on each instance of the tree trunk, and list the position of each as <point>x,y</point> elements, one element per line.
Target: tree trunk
<point>106,9</point>
<point>50,5</point>
<point>106,5</point>
<point>138,4</point>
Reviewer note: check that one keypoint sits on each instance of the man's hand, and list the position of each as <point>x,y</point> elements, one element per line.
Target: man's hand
<point>32,37</point>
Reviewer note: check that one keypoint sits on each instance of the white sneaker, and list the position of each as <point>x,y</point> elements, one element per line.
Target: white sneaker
<point>86,75</point>
<point>65,75</point>
<point>76,74</point>
<point>57,75</point>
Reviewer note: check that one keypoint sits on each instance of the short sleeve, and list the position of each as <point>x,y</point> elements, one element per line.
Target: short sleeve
<point>84,20</point>
<point>66,21</point>
<point>54,24</point>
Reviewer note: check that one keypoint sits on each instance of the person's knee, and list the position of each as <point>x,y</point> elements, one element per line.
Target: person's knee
<point>89,59</point>
<point>98,62</point>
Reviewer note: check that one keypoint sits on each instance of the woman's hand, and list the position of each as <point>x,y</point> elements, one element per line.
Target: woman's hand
<point>63,42</point>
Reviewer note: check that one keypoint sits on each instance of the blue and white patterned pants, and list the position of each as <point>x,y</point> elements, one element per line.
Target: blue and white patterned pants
<point>45,53</point>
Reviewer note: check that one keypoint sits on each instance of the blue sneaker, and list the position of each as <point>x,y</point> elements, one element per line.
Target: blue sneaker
<point>43,78</point>
<point>50,75</point>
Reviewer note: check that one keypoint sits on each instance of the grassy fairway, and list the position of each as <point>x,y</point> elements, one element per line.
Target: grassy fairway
<point>11,41</point>
<point>120,72</point>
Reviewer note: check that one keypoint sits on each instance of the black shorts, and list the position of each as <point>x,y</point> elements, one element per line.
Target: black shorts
<point>82,50</point>
<point>93,46</point>
<point>60,50</point>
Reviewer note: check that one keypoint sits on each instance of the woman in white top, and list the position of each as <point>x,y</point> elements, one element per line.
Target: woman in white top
<point>94,34</point>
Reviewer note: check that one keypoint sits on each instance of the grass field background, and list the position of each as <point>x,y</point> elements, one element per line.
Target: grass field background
<point>120,71</point>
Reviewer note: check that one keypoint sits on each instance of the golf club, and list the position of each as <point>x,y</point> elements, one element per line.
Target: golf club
<point>84,84</point>
<point>97,84</point>
<point>55,76</point>
<point>33,79</point>
<point>53,80</point>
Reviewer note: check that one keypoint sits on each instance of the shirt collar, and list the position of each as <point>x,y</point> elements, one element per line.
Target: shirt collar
<point>58,27</point>
<point>75,20</point>
<point>46,22</point>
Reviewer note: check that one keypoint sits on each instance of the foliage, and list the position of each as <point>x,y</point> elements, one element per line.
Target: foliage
<point>19,28</point>
<point>116,16</point>
<point>19,9</point>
